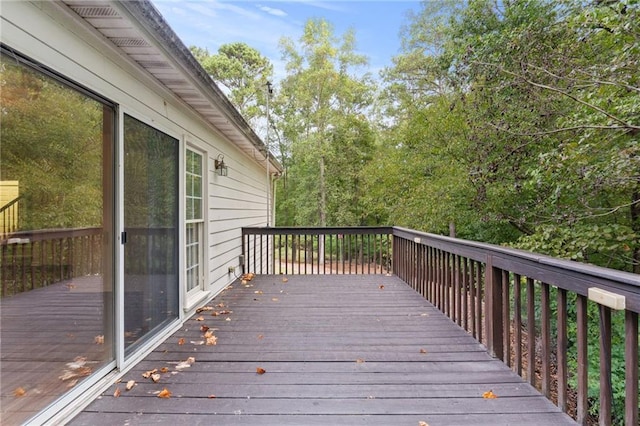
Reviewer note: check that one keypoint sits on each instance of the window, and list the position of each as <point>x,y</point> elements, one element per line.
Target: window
<point>194,222</point>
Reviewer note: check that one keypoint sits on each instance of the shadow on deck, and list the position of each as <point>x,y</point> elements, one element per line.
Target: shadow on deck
<point>336,349</point>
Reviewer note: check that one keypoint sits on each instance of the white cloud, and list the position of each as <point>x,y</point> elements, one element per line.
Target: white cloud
<point>272,11</point>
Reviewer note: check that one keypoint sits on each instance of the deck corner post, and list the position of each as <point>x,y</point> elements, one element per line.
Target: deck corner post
<point>493,303</point>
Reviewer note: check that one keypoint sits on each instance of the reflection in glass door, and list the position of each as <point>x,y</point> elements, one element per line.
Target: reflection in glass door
<point>151,231</point>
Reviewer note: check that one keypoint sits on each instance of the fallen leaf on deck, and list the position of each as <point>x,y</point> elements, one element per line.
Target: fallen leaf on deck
<point>155,378</point>
<point>200,318</point>
<point>19,392</point>
<point>130,385</point>
<point>72,383</point>
<point>181,341</point>
<point>164,393</point>
<point>198,343</point>
<point>489,395</point>
<point>260,337</point>
<point>258,292</point>
<point>274,299</point>
<point>164,370</point>
<point>203,309</point>
<point>211,396</point>
<point>116,393</point>
<point>423,351</point>
<point>220,305</point>
<point>214,314</point>
<point>212,340</point>
<point>99,340</point>
<point>185,364</point>
<point>227,319</point>
<point>360,361</point>
<point>381,287</point>
<point>285,279</point>
<point>260,370</point>
<point>423,424</point>
<point>148,374</point>
<point>225,312</point>
<point>203,328</point>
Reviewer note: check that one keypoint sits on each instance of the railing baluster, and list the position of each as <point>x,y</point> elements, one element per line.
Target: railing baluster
<point>531,332</point>
<point>479,297</point>
<point>517,314</point>
<point>472,299</point>
<point>545,333</point>
<point>506,319</point>
<point>605,365</point>
<point>631,368</point>
<point>583,360</point>
<point>562,374</point>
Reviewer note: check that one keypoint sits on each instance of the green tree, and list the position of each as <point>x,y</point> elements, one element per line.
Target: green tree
<point>320,112</point>
<point>243,72</point>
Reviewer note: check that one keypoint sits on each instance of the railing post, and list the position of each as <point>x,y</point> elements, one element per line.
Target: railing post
<point>493,304</point>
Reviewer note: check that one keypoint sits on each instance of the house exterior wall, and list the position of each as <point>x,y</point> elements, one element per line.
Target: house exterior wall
<point>55,37</point>
<point>46,34</point>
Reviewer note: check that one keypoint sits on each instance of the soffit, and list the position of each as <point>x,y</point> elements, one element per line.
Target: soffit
<point>139,31</point>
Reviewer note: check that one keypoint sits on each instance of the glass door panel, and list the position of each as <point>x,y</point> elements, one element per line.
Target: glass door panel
<point>56,239</point>
<point>151,231</point>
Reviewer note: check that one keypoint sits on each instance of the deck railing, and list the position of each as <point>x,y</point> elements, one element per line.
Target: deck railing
<point>34,259</point>
<point>362,250</point>
<point>536,313</point>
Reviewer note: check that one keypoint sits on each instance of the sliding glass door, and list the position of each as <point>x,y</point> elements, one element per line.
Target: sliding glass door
<point>150,231</point>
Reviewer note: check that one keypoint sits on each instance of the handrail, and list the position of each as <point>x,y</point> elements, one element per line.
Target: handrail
<point>9,217</point>
<point>486,289</point>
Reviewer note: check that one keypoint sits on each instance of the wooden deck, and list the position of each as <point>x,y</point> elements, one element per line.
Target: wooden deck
<point>336,350</point>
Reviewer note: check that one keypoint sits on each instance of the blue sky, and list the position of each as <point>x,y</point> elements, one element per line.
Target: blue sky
<point>261,24</point>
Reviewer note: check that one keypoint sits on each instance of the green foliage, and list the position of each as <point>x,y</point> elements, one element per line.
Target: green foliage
<point>242,72</point>
<point>52,144</point>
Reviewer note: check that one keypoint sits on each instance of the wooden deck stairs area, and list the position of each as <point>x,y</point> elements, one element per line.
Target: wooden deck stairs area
<point>321,350</point>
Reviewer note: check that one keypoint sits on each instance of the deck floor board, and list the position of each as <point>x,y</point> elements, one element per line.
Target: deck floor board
<point>337,349</point>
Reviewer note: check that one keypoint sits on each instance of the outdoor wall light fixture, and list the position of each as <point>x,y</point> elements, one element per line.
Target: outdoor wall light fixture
<point>220,167</point>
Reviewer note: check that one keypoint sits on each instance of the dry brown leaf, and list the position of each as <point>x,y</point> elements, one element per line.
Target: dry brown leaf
<point>72,383</point>
<point>200,318</point>
<point>489,395</point>
<point>220,305</point>
<point>260,370</point>
<point>164,393</point>
<point>116,393</point>
<point>212,340</point>
<point>274,299</point>
<point>203,309</point>
<point>155,378</point>
<point>285,279</point>
<point>148,374</point>
<point>225,312</point>
<point>214,314</point>
<point>18,392</point>
<point>259,292</point>
<point>381,286</point>
<point>260,336</point>
<point>164,370</point>
<point>423,424</point>
<point>99,339</point>
<point>181,341</point>
<point>423,351</point>
<point>197,343</point>
<point>227,319</point>
<point>360,360</point>
<point>203,328</point>
<point>130,385</point>
<point>212,396</point>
